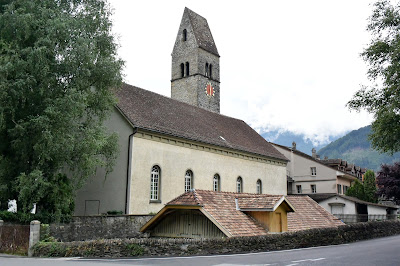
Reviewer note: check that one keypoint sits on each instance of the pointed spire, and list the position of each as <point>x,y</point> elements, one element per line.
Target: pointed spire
<point>202,32</point>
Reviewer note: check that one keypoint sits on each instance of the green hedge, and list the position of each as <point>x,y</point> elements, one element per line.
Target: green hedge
<point>26,218</point>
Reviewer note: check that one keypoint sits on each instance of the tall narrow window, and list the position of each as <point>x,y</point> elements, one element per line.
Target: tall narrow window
<point>210,71</point>
<point>206,70</point>
<point>187,69</point>
<point>259,186</point>
<point>299,190</point>
<point>182,70</point>
<point>313,189</point>
<point>339,189</point>
<point>155,183</point>
<point>313,171</point>
<point>239,185</point>
<point>216,183</point>
<point>188,180</point>
<point>184,33</point>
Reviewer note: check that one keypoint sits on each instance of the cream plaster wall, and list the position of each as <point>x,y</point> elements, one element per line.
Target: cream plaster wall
<point>101,194</point>
<point>376,210</point>
<point>175,157</point>
<point>348,208</point>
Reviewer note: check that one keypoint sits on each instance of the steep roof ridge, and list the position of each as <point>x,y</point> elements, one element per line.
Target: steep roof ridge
<point>202,32</point>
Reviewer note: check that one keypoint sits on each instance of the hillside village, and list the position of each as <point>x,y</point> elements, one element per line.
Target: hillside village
<point>186,171</point>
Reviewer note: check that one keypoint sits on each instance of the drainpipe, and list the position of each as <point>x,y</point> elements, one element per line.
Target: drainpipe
<point>129,170</point>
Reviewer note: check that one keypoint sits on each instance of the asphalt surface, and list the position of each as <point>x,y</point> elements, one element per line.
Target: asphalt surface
<point>381,251</point>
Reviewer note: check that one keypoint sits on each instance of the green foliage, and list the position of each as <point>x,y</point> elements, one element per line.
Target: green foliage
<point>58,66</point>
<point>356,148</point>
<point>52,249</point>
<point>364,191</point>
<point>26,218</point>
<point>383,58</point>
<point>135,249</point>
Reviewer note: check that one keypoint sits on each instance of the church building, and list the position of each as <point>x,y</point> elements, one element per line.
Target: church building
<point>169,146</point>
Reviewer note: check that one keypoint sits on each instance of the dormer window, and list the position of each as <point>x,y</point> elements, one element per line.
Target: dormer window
<point>184,35</point>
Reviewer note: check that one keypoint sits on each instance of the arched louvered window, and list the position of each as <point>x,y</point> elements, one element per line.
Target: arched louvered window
<point>155,183</point>
<point>184,35</point>
<point>187,69</point>
<point>182,70</point>
<point>188,180</point>
<point>239,185</point>
<point>259,186</point>
<point>216,183</point>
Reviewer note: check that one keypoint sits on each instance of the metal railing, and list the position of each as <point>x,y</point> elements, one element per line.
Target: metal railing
<point>357,218</point>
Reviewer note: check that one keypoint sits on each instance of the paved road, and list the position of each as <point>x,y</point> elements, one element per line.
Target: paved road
<point>382,251</point>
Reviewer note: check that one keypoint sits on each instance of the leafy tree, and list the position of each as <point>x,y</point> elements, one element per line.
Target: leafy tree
<point>383,57</point>
<point>388,181</point>
<point>58,63</point>
<point>364,191</point>
<point>356,190</point>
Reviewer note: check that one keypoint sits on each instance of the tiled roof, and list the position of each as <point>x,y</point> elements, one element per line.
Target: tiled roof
<point>258,201</point>
<point>151,111</point>
<point>222,207</point>
<point>309,215</point>
<point>202,32</point>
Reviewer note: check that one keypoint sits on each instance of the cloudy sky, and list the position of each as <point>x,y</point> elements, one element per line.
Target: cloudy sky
<point>285,65</point>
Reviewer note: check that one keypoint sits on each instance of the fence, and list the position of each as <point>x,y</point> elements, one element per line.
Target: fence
<point>14,239</point>
<point>19,239</point>
<point>356,218</point>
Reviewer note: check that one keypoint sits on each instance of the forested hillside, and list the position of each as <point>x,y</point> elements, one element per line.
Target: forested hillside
<point>356,148</point>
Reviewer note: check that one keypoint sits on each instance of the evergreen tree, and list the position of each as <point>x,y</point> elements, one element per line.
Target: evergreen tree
<point>58,65</point>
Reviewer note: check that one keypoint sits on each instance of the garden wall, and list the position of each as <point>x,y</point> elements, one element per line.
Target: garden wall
<point>96,227</point>
<point>181,247</point>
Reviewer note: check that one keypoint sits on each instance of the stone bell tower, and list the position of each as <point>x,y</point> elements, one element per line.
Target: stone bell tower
<point>195,64</point>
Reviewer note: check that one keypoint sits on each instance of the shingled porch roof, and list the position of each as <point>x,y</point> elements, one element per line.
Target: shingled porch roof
<point>151,111</point>
<point>227,209</point>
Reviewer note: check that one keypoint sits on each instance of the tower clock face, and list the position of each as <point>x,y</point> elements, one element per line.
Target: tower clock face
<point>210,90</point>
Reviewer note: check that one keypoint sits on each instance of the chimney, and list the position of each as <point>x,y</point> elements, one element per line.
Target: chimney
<point>314,153</point>
<point>293,145</point>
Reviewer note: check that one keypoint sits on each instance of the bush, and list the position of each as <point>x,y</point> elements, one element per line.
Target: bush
<point>26,218</point>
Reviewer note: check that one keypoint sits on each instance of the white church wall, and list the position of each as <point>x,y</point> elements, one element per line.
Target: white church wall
<point>175,157</point>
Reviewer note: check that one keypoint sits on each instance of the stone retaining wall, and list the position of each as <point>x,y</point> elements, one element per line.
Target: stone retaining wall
<point>96,227</point>
<point>182,247</point>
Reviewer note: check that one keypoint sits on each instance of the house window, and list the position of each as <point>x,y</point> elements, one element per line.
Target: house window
<point>313,171</point>
<point>313,189</point>
<point>239,185</point>
<point>339,189</point>
<point>188,180</point>
<point>155,183</point>
<point>182,70</point>
<point>298,187</point>
<point>259,186</point>
<point>184,35</point>
<point>187,69</point>
<point>216,183</point>
<point>345,188</point>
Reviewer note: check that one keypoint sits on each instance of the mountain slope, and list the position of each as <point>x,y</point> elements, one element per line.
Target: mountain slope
<point>356,148</point>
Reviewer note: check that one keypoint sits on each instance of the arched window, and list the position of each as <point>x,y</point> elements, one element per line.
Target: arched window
<point>216,183</point>
<point>184,37</point>
<point>182,70</point>
<point>206,70</point>
<point>188,180</point>
<point>210,71</point>
<point>155,183</point>
<point>259,186</point>
<point>187,68</point>
<point>239,185</point>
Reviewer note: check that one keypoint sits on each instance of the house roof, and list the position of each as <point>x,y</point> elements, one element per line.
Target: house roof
<point>322,162</point>
<point>228,210</point>
<point>223,208</point>
<point>151,111</point>
<point>202,32</point>
<point>324,196</point>
<point>309,214</point>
